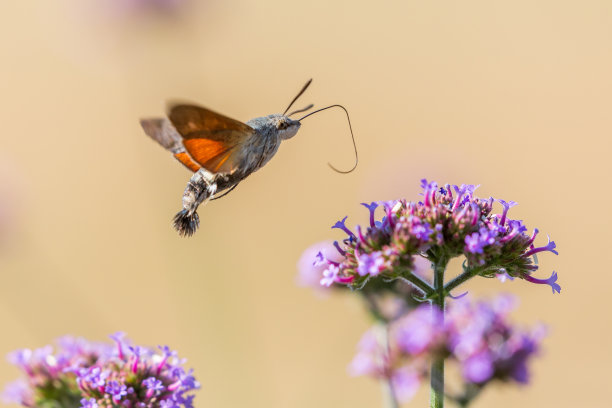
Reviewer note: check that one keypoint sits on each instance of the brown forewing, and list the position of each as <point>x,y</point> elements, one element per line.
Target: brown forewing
<point>211,139</point>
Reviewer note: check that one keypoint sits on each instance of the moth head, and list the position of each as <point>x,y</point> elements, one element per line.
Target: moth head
<point>285,126</point>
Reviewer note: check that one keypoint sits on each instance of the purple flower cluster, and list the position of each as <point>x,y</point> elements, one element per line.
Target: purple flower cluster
<point>449,222</point>
<point>92,375</point>
<point>478,336</point>
<point>386,301</point>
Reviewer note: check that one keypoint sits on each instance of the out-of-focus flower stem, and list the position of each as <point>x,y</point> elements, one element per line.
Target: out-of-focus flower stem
<point>436,398</point>
<point>388,389</point>
<point>373,308</point>
<point>389,394</point>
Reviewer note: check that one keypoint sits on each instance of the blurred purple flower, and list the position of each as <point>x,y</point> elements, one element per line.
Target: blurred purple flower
<point>371,359</point>
<point>478,368</point>
<point>478,336</point>
<point>141,6</point>
<point>18,392</point>
<point>92,374</point>
<point>406,382</point>
<point>418,331</point>
<point>485,343</point>
<point>376,359</point>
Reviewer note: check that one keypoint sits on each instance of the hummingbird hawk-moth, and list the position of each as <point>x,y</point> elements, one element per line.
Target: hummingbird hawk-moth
<point>220,151</point>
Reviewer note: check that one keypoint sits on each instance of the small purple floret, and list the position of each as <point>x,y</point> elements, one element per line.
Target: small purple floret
<point>371,264</point>
<point>429,191</point>
<point>118,338</point>
<point>153,385</point>
<point>550,246</point>
<point>340,225</point>
<point>96,377</point>
<point>422,232</point>
<point>551,281</point>
<point>507,206</point>
<point>116,390</point>
<point>319,260</point>
<point>330,275</point>
<point>476,242</point>
<point>372,208</point>
<point>340,250</point>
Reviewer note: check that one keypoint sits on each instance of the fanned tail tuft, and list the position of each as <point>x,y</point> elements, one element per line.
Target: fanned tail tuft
<point>186,224</point>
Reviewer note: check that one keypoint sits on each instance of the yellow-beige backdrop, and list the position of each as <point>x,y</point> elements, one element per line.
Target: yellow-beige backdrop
<point>515,96</point>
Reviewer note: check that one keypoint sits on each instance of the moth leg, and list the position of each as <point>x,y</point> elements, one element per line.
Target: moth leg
<point>226,192</point>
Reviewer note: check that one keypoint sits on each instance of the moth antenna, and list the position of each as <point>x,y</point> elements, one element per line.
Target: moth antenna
<point>298,95</point>
<point>301,110</point>
<point>185,223</point>
<point>352,136</point>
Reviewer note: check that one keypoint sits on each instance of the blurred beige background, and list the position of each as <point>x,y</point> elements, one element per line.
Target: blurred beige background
<point>515,96</point>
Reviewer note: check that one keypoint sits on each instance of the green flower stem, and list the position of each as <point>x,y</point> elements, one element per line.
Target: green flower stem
<point>436,399</point>
<point>468,274</point>
<point>419,283</point>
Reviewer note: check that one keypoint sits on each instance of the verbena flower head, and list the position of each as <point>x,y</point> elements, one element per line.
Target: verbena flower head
<point>478,336</point>
<point>449,222</point>
<point>90,375</point>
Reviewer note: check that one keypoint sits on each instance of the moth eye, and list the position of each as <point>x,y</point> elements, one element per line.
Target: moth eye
<point>281,125</point>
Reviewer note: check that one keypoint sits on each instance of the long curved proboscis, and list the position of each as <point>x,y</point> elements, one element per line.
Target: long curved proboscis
<point>298,95</point>
<point>352,136</point>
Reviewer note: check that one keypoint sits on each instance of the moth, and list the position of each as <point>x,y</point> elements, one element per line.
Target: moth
<point>221,152</point>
